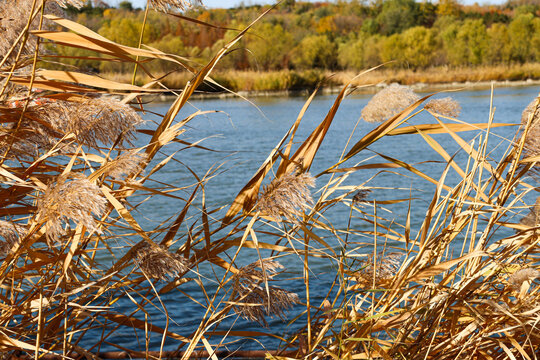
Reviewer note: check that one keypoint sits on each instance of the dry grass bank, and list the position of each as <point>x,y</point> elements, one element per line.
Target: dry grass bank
<point>290,80</point>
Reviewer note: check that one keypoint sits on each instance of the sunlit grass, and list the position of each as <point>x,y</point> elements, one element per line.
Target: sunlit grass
<point>71,182</point>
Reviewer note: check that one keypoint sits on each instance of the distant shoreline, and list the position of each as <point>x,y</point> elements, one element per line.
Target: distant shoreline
<point>371,89</point>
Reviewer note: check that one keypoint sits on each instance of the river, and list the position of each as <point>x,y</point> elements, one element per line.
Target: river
<point>243,133</point>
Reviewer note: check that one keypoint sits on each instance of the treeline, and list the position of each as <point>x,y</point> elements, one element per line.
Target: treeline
<point>346,35</point>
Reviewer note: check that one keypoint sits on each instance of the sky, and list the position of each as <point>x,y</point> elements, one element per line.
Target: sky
<point>232,3</point>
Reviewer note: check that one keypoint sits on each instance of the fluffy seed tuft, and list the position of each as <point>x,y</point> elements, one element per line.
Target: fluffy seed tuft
<point>385,267</point>
<point>165,5</point>
<point>12,234</point>
<point>93,121</point>
<point>13,19</point>
<point>445,106</point>
<point>532,140</point>
<point>157,262</point>
<point>125,164</point>
<point>520,276</point>
<point>288,196</point>
<point>388,102</point>
<point>254,302</point>
<point>70,198</point>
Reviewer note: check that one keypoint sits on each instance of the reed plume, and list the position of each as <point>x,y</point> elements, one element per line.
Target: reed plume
<point>12,233</point>
<point>157,262</point>
<point>165,5</point>
<point>287,196</point>
<point>522,275</point>
<point>532,219</point>
<point>125,164</point>
<point>380,270</point>
<point>70,198</point>
<point>388,102</point>
<point>532,139</point>
<point>93,121</point>
<point>445,106</point>
<point>254,302</point>
<point>14,16</point>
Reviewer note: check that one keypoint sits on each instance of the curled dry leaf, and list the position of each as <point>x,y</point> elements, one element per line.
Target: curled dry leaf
<point>522,275</point>
<point>532,140</point>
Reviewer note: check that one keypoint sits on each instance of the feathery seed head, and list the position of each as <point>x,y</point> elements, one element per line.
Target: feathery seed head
<point>360,196</point>
<point>13,20</point>
<point>288,195</point>
<point>445,106</point>
<point>520,276</point>
<point>157,262</point>
<point>125,164</point>
<point>381,270</point>
<point>12,234</point>
<point>388,102</point>
<point>70,198</point>
<point>253,301</point>
<point>165,5</point>
<point>92,121</point>
<point>532,140</point>
<point>532,219</point>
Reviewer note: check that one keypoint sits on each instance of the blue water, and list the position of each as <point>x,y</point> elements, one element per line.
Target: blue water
<point>241,135</point>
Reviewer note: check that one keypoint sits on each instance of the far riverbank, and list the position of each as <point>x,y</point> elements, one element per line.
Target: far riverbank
<point>298,83</point>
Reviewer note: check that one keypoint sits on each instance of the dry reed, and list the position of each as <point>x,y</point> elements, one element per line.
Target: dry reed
<point>441,303</point>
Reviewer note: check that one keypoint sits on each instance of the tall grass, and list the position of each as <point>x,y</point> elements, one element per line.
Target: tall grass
<point>295,80</point>
<point>73,246</point>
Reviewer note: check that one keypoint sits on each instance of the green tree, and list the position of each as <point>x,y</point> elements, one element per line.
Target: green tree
<point>465,43</point>
<point>270,47</point>
<point>372,51</point>
<point>125,5</point>
<point>500,45</point>
<point>472,36</point>
<point>351,54</point>
<point>316,51</point>
<point>419,46</point>
<point>521,29</point>
<point>392,49</point>
<point>535,42</point>
<point>397,15</point>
